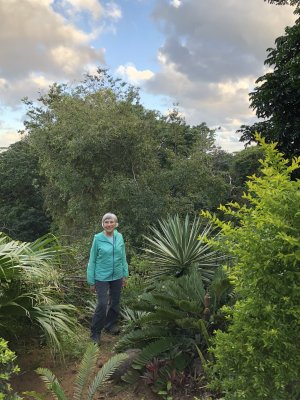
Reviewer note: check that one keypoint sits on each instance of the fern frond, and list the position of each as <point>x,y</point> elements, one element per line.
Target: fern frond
<point>86,368</point>
<point>105,373</point>
<point>52,383</point>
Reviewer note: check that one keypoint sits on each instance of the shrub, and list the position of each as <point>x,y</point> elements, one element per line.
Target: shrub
<point>259,356</point>
<point>7,369</point>
<point>29,288</point>
<point>176,317</point>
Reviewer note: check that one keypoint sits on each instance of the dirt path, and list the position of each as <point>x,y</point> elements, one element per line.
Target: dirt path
<point>28,380</point>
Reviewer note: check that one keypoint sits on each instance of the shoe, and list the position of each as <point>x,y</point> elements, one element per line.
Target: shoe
<point>95,339</point>
<point>114,330</point>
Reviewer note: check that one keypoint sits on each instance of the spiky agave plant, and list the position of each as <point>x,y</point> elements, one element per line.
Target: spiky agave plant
<point>30,287</point>
<point>86,383</point>
<point>179,245</point>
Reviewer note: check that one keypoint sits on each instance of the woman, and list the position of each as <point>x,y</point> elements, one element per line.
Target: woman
<point>107,271</point>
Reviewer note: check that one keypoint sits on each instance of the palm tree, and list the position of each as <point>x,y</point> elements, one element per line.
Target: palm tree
<point>29,287</point>
<point>86,384</point>
<point>178,246</point>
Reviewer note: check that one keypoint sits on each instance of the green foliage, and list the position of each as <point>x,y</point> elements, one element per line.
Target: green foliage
<point>276,98</point>
<point>178,246</point>
<point>73,344</point>
<point>283,2</point>
<point>244,164</point>
<point>7,369</point>
<point>100,149</point>
<point>137,281</point>
<point>175,320</point>
<point>21,203</point>
<point>29,287</point>
<point>87,382</point>
<point>259,356</point>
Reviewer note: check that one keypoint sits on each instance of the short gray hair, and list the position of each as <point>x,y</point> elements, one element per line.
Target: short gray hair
<point>109,216</point>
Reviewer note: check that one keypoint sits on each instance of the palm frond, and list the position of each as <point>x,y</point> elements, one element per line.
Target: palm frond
<point>138,338</point>
<point>30,285</point>
<point>86,368</point>
<point>153,350</point>
<point>55,319</point>
<point>52,383</point>
<point>105,373</point>
<point>34,395</point>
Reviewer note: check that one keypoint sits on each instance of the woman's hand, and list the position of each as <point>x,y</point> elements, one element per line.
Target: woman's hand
<point>92,288</point>
<point>124,282</point>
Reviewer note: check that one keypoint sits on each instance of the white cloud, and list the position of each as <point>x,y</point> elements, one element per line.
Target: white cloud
<point>76,6</point>
<point>113,11</point>
<point>37,41</point>
<point>131,74</point>
<point>9,137</point>
<point>175,3</point>
<point>211,56</point>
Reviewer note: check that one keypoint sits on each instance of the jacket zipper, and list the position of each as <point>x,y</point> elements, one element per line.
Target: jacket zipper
<point>113,270</point>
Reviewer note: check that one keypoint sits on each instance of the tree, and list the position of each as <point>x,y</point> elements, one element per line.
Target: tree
<point>100,149</point>
<point>21,203</point>
<point>283,2</point>
<point>277,96</point>
<point>91,139</point>
<point>259,356</point>
<point>244,164</point>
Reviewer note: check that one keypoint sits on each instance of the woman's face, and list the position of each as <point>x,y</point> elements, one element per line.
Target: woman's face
<point>109,226</point>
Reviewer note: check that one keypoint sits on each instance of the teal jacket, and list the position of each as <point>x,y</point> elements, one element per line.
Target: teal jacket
<point>107,260</point>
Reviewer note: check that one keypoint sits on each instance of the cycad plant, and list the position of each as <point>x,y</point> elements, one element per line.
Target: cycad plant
<point>181,314</point>
<point>29,287</point>
<point>86,382</point>
<point>179,245</point>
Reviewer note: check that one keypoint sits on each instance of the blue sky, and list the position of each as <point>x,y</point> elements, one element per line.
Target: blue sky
<point>203,54</point>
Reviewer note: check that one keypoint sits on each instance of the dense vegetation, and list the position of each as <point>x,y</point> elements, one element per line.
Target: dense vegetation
<point>259,356</point>
<point>212,300</point>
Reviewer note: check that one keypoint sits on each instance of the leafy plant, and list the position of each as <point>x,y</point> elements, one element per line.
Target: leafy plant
<point>132,318</point>
<point>178,246</point>
<point>7,369</point>
<point>176,321</point>
<point>259,356</point>
<point>29,287</point>
<point>86,383</point>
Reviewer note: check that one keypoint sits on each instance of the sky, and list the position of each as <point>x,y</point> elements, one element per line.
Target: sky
<point>204,55</point>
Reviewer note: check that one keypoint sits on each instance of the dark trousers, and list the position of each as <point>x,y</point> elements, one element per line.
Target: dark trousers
<point>108,305</point>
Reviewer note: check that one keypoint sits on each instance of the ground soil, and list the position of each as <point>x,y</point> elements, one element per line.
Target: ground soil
<point>28,380</point>
<point>37,356</point>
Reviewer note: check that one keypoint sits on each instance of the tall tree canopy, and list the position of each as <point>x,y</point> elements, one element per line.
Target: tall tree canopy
<point>101,150</point>
<point>21,202</point>
<point>276,98</point>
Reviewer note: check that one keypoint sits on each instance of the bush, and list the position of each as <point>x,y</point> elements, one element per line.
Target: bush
<point>7,369</point>
<point>259,356</point>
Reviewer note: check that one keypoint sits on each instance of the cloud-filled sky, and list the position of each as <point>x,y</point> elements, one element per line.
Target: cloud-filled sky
<point>203,54</point>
